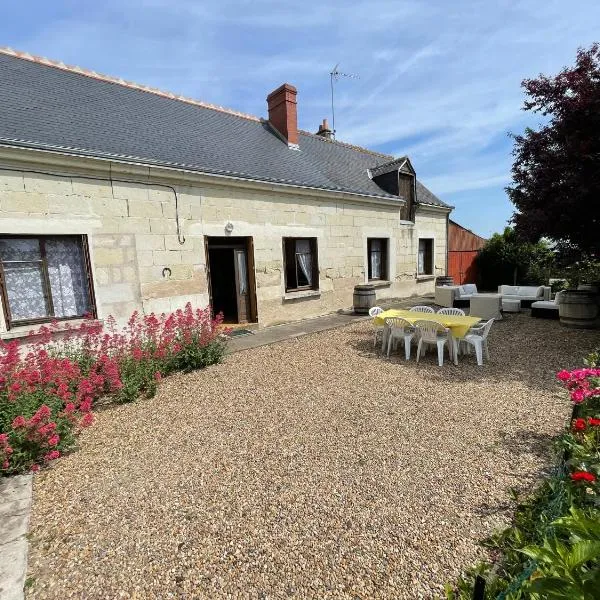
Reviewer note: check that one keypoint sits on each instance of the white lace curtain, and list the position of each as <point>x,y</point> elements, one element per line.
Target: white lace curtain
<point>242,271</point>
<point>66,273</point>
<point>375,259</point>
<point>304,260</point>
<point>30,283</point>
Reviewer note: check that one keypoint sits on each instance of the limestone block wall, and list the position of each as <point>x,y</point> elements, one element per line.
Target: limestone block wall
<point>132,235</point>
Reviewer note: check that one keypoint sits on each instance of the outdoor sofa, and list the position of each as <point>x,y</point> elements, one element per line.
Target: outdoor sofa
<point>546,309</point>
<point>455,295</point>
<point>527,294</point>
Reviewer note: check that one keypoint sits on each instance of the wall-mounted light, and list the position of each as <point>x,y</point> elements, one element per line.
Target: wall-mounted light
<point>228,227</point>
<point>166,273</point>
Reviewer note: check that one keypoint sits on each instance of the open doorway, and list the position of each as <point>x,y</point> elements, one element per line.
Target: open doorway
<point>232,287</point>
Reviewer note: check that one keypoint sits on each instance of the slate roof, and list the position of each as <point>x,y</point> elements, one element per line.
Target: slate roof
<point>49,105</point>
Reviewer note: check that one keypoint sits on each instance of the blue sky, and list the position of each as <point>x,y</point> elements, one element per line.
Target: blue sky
<point>439,80</point>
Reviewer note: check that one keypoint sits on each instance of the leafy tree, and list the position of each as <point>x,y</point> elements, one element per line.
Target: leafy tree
<point>507,259</point>
<point>556,170</point>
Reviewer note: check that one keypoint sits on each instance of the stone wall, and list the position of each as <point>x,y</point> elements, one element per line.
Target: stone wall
<point>132,235</point>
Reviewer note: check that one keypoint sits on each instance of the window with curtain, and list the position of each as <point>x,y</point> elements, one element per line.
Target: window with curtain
<point>44,278</point>
<point>425,257</point>
<point>377,250</point>
<point>301,264</point>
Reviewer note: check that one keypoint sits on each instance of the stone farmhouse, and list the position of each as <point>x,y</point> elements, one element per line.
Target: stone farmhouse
<point>117,197</point>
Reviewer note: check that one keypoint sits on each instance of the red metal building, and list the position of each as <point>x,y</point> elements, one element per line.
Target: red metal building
<point>463,246</point>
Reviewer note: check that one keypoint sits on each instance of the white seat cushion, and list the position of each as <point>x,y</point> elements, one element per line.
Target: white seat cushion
<point>530,291</point>
<point>469,289</point>
<point>509,290</point>
<point>545,304</point>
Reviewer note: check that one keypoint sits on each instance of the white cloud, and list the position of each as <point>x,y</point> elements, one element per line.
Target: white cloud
<point>438,80</point>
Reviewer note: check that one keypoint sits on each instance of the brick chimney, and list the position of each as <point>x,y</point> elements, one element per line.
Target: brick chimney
<point>282,113</point>
<point>324,130</point>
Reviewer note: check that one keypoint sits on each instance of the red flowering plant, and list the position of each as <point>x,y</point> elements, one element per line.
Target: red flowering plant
<point>582,442</point>
<point>47,392</point>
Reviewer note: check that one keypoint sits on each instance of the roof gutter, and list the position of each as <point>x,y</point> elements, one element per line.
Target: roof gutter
<point>167,171</point>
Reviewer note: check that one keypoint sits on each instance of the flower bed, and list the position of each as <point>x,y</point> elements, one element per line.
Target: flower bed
<point>552,550</point>
<point>48,392</point>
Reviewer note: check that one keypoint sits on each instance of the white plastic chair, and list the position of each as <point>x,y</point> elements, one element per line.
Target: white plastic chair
<point>377,329</point>
<point>457,312</point>
<point>477,337</point>
<point>435,334</point>
<point>399,329</point>
<point>423,309</point>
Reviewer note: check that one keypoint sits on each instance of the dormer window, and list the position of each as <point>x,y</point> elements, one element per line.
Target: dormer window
<point>406,190</point>
<point>398,178</point>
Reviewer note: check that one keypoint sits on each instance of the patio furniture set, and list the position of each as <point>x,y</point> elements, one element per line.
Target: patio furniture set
<point>509,299</point>
<point>448,328</point>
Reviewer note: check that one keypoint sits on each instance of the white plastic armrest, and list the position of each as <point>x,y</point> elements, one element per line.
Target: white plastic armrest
<point>476,330</point>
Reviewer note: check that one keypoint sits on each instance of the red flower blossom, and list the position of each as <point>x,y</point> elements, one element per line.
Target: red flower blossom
<point>583,476</point>
<point>52,455</point>
<point>19,422</point>
<point>594,422</point>
<point>563,375</point>
<point>53,441</point>
<point>86,420</point>
<point>86,405</point>
<point>579,424</point>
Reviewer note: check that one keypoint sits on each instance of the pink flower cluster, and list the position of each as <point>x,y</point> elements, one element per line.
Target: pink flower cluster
<point>5,450</point>
<point>580,383</point>
<point>68,368</point>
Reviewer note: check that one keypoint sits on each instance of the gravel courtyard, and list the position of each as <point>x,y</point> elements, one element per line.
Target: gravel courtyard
<point>311,468</point>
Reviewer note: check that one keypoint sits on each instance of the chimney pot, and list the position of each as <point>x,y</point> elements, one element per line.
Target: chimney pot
<point>283,114</point>
<point>324,130</point>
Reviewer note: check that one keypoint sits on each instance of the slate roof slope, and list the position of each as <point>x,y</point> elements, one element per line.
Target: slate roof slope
<point>56,107</point>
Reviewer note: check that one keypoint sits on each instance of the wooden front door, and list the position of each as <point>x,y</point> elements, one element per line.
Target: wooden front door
<point>230,273</point>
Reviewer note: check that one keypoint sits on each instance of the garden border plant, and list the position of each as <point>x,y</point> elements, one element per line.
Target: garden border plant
<point>552,549</point>
<point>48,389</point>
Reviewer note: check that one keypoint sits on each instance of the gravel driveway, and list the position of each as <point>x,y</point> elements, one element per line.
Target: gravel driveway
<point>311,468</point>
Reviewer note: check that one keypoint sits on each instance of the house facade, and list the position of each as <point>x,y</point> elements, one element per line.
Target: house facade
<point>115,197</point>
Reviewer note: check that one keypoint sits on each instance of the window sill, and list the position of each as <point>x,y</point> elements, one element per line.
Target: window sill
<point>23,331</point>
<point>301,294</point>
<point>411,223</point>
<point>379,283</point>
<point>425,277</point>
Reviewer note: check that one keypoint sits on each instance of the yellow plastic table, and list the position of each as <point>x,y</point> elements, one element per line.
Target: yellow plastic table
<point>459,326</point>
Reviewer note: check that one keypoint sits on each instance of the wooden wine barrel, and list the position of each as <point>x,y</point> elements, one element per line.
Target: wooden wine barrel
<point>364,298</point>
<point>579,309</point>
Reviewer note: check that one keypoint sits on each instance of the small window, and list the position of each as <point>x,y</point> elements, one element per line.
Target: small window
<point>301,264</point>
<point>377,250</point>
<point>45,278</point>
<point>425,259</point>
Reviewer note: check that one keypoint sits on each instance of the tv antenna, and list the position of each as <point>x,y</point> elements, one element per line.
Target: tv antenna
<point>335,75</point>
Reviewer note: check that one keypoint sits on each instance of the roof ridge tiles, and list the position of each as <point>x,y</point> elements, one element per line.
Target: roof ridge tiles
<point>346,144</point>
<point>120,81</point>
